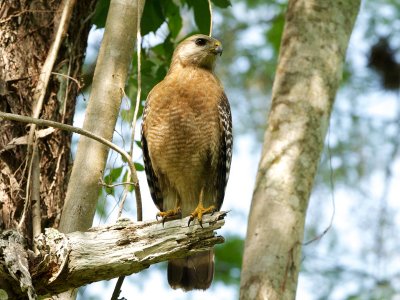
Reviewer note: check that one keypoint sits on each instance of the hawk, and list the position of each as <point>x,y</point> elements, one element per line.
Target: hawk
<point>187,147</point>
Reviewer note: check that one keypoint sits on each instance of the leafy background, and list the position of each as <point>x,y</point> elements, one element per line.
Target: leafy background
<point>355,199</point>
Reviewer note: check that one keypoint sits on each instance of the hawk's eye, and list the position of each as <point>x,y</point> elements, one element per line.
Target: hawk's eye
<point>200,42</point>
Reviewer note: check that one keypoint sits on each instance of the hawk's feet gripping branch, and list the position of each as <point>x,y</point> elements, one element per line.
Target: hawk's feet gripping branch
<point>199,212</point>
<point>169,214</point>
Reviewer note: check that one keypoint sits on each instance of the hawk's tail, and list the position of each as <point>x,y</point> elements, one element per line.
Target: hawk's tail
<point>193,272</point>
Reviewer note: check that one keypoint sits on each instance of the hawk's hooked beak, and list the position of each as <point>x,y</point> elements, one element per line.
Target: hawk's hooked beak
<point>217,48</point>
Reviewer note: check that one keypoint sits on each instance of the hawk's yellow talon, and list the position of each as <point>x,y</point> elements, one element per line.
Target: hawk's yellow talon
<point>169,214</point>
<point>199,212</point>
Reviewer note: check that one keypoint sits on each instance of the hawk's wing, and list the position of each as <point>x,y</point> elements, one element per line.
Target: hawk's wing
<point>152,179</point>
<point>225,148</point>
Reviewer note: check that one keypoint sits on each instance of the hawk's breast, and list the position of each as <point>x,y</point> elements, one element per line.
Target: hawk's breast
<point>183,135</point>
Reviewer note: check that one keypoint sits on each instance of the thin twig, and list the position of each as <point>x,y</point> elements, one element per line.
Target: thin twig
<point>211,17</point>
<point>69,128</point>
<point>102,183</point>
<point>69,77</point>
<point>331,181</point>
<point>35,196</point>
<point>28,187</point>
<point>117,289</point>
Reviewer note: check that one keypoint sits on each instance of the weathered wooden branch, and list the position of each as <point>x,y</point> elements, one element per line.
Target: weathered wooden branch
<point>71,260</point>
<point>15,279</point>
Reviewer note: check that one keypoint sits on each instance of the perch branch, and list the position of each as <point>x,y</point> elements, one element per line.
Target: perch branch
<point>75,259</point>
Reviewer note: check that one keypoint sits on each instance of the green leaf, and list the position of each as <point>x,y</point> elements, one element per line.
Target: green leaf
<point>100,14</point>
<point>274,34</point>
<point>164,51</point>
<point>152,17</point>
<point>101,207</point>
<point>229,260</point>
<point>111,178</point>
<point>127,115</point>
<point>174,18</point>
<point>139,144</point>
<point>201,15</point>
<point>139,167</point>
<point>222,3</point>
<point>115,173</point>
<point>161,72</point>
<point>129,187</point>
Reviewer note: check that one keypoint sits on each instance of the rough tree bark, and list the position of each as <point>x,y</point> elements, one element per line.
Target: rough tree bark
<point>27,29</point>
<point>313,48</point>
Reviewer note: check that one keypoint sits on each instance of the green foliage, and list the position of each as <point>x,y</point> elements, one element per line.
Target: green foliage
<point>100,14</point>
<point>101,208</point>
<point>130,188</point>
<point>274,34</point>
<point>153,16</point>
<point>201,14</point>
<point>127,115</point>
<point>112,176</point>
<point>228,260</point>
<point>139,167</point>
<point>156,13</point>
<point>222,3</point>
<point>174,19</point>
<point>248,67</point>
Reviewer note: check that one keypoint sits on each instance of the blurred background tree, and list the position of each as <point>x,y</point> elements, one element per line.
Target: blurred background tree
<point>355,186</point>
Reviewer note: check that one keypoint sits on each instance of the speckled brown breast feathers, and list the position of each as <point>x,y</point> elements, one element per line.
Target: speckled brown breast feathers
<point>187,143</point>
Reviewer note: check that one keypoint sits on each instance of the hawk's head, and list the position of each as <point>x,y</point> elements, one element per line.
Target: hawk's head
<point>197,50</point>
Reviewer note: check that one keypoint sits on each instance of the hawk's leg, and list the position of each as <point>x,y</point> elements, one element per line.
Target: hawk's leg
<point>200,211</point>
<point>170,213</point>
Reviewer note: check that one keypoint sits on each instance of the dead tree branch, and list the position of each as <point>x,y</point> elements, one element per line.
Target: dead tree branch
<point>75,259</point>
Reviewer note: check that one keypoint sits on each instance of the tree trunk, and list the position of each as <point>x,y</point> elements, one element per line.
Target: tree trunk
<point>27,30</point>
<point>101,114</point>
<point>310,68</point>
